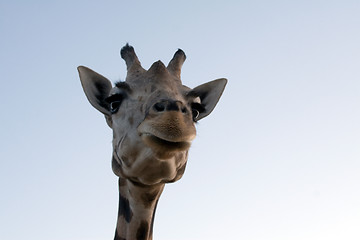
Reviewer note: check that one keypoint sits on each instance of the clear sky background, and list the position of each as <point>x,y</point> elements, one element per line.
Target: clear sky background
<point>278,159</point>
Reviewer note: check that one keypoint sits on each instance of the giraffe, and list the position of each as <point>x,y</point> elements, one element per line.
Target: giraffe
<point>152,116</point>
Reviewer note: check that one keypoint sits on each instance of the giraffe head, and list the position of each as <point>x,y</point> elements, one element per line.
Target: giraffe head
<point>152,115</point>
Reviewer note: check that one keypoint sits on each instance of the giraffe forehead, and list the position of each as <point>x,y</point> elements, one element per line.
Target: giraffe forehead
<point>150,86</point>
<point>161,86</point>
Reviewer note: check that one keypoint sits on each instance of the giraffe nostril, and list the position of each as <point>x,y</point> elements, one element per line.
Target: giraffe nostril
<point>159,107</point>
<point>169,105</point>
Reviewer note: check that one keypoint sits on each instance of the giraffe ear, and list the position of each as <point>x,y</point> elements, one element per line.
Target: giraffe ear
<point>96,88</point>
<point>209,94</point>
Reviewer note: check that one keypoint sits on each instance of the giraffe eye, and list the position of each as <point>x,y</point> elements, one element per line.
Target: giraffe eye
<point>114,106</point>
<point>196,109</point>
<point>195,113</point>
<point>114,102</point>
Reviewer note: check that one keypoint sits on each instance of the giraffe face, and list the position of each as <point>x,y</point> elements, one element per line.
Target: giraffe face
<point>152,116</point>
<point>153,128</point>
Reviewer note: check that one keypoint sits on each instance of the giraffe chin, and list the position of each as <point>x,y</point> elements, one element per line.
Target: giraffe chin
<point>161,145</point>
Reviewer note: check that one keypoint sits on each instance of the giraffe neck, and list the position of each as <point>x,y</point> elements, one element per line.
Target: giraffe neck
<point>137,205</point>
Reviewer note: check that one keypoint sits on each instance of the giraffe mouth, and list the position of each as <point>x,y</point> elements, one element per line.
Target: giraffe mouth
<point>161,144</point>
<point>168,132</point>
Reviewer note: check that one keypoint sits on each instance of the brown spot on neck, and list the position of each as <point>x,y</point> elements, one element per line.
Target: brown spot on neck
<point>143,231</point>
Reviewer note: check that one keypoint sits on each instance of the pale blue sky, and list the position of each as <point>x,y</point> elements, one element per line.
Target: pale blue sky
<point>278,159</point>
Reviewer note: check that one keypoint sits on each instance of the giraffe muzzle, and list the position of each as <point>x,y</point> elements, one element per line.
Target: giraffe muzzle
<point>169,131</point>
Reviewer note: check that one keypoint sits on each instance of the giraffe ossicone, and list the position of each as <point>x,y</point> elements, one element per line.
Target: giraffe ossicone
<point>152,115</point>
